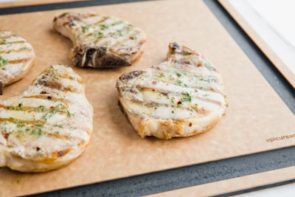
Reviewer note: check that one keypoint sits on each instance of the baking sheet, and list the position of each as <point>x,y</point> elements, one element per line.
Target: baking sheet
<point>271,41</point>
<point>256,119</point>
<point>233,185</point>
<point>17,3</point>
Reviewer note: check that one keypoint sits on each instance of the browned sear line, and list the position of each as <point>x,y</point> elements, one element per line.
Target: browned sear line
<point>17,61</point>
<point>13,120</point>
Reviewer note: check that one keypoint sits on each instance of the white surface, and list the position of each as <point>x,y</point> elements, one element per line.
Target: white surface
<point>273,21</point>
<point>282,191</point>
<point>279,14</point>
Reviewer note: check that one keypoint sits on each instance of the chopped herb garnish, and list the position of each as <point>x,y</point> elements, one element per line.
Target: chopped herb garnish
<point>3,62</point>
<point>178,74</point>
<point>19,124</point>
<point>186,97</point>
<point>178,82</point>
<point>18,107</point>
<point>37,132</point>
<point>59,126</point>
<point>172,100</point>
<point>85,28</point>
<point>120,33</point>
<point>103,26</point>
<point>161,75</point>
<point>69,114</point>
<point>99,34</point>
<point>41,108</point>
<point>60,108</point>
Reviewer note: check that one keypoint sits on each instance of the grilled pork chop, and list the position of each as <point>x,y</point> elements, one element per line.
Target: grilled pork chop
<point>182,96</point>
<point>16,57</point>
<point>100,41</point>
<point>48,126</point>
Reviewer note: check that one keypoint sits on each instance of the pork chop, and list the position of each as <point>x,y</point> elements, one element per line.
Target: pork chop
<point>16,57</point>
<point>48,125</point>
<point>180,97</point>
<point>100,41</point>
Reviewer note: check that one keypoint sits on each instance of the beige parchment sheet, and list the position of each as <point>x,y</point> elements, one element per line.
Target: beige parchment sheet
<point>255,112</point>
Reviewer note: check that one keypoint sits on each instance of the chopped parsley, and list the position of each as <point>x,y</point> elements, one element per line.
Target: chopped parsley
<point>60,108</point>
<point>161,75</point>
<point>104,26</point>
<point>18,107</point>
<point>99,35</point>
<point>85,28</point>
<point>41,108</point>
<point>186,97</point>
<point>178,74</point>
<point>3,62</point>
<point>20,124</point>
<point>53,74</point>
<point>120,33</point>
<point>172,100</point>
<point>37,130</point>
<point>180,83</point>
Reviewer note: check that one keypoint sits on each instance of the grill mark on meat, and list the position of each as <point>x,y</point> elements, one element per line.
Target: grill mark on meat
<point>189,108</point>
<point>13,42</point>
<point>131,75</point>
<point>55,85</point>
<point>18,61</point>
<point>47,96</point>
<point>58,136</point>
<point>48,158</point>
<point>19,50</point>
<point>15,120</point>
<point>97,30</point>
<point>155,89</point>
<point>31,109</point>
<point>122,42</point>
<point>210,89</point>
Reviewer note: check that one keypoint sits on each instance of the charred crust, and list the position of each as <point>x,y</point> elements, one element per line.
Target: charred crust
<point>43,92</point>
<point>1,87</point>
<point>130,75</point>
<point>45,81</point>
<point>175,48</point>
<point>51,84</point>
<point>97,57</point>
